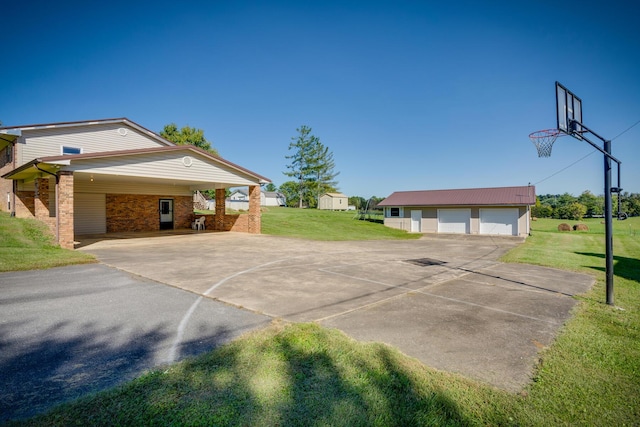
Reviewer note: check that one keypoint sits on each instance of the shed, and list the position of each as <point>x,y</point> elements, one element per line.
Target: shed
<point>489,211</point>
<point>334,202</point>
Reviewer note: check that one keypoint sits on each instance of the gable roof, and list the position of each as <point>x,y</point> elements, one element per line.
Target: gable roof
<point>334,195</point>
<point>524,195</point>
<point>32,166</point>
<point>16,130</point>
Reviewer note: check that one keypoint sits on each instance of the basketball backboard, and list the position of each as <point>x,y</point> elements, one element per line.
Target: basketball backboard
<point>568,108</point>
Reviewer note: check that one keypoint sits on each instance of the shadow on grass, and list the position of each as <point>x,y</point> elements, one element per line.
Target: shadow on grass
<point>303,375</point>
<point>628,268</point>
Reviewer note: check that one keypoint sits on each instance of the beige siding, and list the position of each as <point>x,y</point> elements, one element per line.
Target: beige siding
<point>91,139</point>
<point>429,222</point>
<point>163,166</point>
<point>126,187</point>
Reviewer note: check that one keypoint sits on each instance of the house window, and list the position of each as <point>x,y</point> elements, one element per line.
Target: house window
<point>394,212</point>
<point>5,155</point>
<point>71,150</point>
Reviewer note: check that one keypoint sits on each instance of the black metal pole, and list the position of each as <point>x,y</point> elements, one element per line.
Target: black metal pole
<point>608,214</point>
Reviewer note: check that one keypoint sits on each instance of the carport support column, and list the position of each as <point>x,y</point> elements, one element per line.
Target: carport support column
<point>255,226</point>
<point>64,207</point>
<point>220,209</point>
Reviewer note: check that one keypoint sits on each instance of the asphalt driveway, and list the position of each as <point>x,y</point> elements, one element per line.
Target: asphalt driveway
<point>444,300</point>
<point>66,332</point>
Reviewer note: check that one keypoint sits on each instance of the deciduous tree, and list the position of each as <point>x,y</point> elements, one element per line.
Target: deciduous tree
<point>187,136</point>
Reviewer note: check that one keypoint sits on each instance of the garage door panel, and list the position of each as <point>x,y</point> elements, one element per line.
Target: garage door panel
<point>89,213</point>
<point>499,221</point>
<point>454,221</point>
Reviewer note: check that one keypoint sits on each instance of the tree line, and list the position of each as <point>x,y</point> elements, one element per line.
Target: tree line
<point>312,169</point>
<point>587,205</point>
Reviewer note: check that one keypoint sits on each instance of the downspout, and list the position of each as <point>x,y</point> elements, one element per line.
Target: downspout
<point>57,215</point>
<point>14,154</point>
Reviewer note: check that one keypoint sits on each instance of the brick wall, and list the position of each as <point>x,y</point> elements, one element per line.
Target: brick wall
<point>25,204</point>
<point>42,203</point>
<point>135,212</point>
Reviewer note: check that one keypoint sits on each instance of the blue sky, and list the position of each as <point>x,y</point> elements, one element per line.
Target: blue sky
<point>407,95</point>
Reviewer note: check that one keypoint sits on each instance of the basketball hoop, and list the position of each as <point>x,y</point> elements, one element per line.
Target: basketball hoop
<point>544,139</point>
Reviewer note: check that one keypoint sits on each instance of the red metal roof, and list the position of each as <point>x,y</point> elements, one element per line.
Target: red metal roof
<point>525,195</point>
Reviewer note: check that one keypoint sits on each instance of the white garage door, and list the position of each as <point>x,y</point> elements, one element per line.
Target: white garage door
<point>454,221</point>
<point>89,213</point>
<point>499,221</point>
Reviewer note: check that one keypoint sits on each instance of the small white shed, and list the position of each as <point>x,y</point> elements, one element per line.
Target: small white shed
<point>334,202</point>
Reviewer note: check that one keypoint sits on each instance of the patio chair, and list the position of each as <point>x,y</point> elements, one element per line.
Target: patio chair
<point>198,224</point>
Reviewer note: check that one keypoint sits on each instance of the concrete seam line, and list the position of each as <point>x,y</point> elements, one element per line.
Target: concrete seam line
<point>409,290</point>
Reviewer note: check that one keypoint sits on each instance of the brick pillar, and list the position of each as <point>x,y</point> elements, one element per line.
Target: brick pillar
<point>65,209</point>
<point>220,209</point>
<point>41,199</point>
<point>255,226</point>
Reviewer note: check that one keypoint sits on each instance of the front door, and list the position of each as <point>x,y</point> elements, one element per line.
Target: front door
<point>416,219</point>
<point>166,214</point>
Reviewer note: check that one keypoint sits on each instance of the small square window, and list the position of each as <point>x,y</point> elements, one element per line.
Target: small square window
<point>71,150</point>
<point>394,211</point>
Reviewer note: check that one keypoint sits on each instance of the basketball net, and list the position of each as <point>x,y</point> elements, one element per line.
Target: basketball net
<point>544,139</point>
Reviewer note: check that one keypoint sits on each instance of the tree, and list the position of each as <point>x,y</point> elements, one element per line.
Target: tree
<point>270,187</point>
<point>358,202</point>
<point>291,193</point>
<point>311,166</point>
<point>187,136</point>
<point>594,205</point>
<point>574,211</point>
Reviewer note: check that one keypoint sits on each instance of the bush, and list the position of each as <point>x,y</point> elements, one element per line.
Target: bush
<point>564,227</point>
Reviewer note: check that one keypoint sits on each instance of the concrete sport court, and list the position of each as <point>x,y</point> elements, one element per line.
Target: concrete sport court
<point>444,300</point>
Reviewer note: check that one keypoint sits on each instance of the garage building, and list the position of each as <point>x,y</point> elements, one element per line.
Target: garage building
<point>502,211</point>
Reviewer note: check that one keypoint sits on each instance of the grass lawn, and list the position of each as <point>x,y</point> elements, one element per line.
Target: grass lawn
<point>303,374</point>
<point>27,244</point>
<point>315,224</point>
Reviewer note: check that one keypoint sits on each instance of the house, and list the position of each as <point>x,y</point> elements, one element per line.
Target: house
<point>239,195</point>
<point>113,175</point>
<point>272,198</point>
<point>491,211</point>
<point>333,201</point>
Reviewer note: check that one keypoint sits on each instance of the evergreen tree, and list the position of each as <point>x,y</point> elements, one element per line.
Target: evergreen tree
<point>311,166</point>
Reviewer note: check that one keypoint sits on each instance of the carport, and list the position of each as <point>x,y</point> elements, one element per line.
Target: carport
<point>97,187</point>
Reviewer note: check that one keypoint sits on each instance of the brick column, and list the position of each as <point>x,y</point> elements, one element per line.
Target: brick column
<point>41,199</point>
<point>220,209</point>
<point>65,209</point>
<point>255,226</point>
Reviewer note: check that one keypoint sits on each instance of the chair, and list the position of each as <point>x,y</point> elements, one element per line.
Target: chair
<point>198,224</point>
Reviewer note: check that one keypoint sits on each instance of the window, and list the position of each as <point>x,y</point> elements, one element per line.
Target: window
<point>6,155</point>
<point>394,212</point>
<point>71,150</point>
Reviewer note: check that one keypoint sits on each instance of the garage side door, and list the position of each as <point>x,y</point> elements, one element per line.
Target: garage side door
<point>499,221</point>
<point>454,221</point>
<point>89,213</point>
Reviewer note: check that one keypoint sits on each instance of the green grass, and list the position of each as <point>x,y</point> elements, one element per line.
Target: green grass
<point>303,374</point>
<point>315,224</point>
<point>26,244</point>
